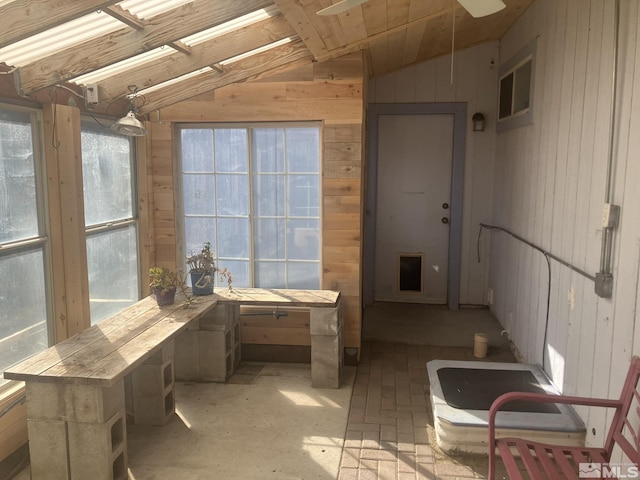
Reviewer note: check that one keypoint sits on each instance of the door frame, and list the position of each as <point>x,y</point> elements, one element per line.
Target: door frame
<point>374,111</point>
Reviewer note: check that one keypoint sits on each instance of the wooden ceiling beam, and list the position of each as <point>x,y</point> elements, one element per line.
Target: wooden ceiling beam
<point>21,19</point>
<point>163,28</point>
<point>125,16</point>
<point>297,17</point>
<point>257,66</point>
<point>204,54</point>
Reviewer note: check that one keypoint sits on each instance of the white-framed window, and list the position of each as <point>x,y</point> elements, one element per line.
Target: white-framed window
<point>253,191</point>
<point>26,321</point>
<point>515,89</point>
<point>111,220</point>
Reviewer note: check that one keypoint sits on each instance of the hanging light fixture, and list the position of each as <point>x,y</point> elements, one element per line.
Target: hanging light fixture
<point>129,125</point>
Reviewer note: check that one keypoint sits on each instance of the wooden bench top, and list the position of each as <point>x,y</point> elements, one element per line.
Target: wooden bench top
<point>278,297</point>
<point>104,353</point>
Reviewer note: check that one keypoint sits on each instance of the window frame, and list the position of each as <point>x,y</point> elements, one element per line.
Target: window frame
<point>511,67</point>
<point>111,226</point>
<point>178,172</point>
<point>42,241</point>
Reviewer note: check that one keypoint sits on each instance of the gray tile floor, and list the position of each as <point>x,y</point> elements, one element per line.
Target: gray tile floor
<point>390,432</point>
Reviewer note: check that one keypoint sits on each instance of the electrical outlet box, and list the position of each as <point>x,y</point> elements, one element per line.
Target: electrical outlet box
<point>610,215</point>
<point>91,95</point>
<point>604,285</point>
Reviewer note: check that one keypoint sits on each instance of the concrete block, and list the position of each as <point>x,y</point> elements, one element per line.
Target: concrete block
<point>187,356</point>
<point>324,321</point>
<point>213,356</point>
<point>163,354</point>
<point>93,448</point>
<point>48,449</point>
<point>79,403</point>
<point>219,317</point>
<point>151,384</point>
<point>326,361</point>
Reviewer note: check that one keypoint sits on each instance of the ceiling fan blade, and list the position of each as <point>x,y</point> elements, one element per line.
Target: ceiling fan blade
<point>340,7</point>
<point>482,8</point>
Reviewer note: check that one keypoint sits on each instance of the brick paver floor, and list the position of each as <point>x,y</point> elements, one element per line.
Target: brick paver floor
<point>390,432</point>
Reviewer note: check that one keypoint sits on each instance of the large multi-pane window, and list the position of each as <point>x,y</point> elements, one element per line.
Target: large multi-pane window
<point>254,193</point>
<point>110,220</point>
<point>24,306</point>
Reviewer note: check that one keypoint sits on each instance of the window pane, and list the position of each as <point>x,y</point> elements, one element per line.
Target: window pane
<point>233,237</point>
<point>271,274</point>
<point>112,261</point>
<point>198,231</point>
<point>506,95</point>
<point>268,195</point>
<point>240,271</point>
<point>231,150</point>
<point>233,195</point>
<point>197,150</point>
<point>268,150</point>
<point>18,198</point>
<point>303,275</point>
<point>198,193</point>
<point>303,149</point>
<point>304,196</point>
<point>106,174</point>
<point>270,239</point>
<point>303,240</point>
<point>23,316</point>
<point>522,88</point>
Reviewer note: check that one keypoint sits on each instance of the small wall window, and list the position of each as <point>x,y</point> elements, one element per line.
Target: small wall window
<point>515,97</point>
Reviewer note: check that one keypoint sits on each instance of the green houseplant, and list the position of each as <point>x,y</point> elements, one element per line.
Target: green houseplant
<point>202,269</point>
<point>164,283</point>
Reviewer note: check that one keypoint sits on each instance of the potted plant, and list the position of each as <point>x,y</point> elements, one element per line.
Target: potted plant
<point>202,269</point>
<point>163,283</point>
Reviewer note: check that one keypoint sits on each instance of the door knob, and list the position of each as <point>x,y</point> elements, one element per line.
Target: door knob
<point>444,220</point>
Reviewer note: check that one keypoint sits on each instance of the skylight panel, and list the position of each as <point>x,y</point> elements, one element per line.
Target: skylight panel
<point>256,51</point>
<point>58,38</point>
<point>235,24</point>
<point>145,9</point>
<point>120,67</point>
<point>175,80</point>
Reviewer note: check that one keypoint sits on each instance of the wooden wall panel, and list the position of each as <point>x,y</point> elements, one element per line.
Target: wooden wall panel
<point>550,182</point>
<point>330,93</point>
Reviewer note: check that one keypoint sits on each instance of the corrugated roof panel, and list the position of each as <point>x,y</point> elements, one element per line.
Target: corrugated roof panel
<point>144,9</point>
<point>227,27</point>
<point>256,51</point>
<point>120,67</point>
<point>58,38</point>
<point>175,80</point>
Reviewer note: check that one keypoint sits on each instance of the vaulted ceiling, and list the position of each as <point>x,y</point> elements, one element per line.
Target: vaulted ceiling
<point>171,50</point>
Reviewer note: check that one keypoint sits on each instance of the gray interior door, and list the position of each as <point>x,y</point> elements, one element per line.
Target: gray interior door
<point>413,206</point>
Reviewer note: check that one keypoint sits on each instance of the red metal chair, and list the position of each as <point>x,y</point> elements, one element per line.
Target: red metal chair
<point>543,461</point>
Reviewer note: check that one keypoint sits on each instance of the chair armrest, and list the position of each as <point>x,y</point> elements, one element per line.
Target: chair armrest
<point>537,397</point>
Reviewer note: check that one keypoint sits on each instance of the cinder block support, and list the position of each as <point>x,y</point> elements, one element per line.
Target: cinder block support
<point>77,431</point>
<point>152,388</point>
<point>327,359</point>
<point>211,352</point>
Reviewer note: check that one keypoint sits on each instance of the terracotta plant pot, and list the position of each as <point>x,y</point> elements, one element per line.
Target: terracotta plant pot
<point>166,298</point>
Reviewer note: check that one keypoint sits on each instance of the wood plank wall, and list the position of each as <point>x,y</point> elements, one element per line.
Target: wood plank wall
<point>474,82</point>
<point>550,189</point>
<point>332,93</point>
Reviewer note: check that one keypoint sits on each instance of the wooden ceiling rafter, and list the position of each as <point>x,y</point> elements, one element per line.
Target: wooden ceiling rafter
<point>208,53</point>
<point>270,62</point>
<point>166,27</point>
<point>128,18</point>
